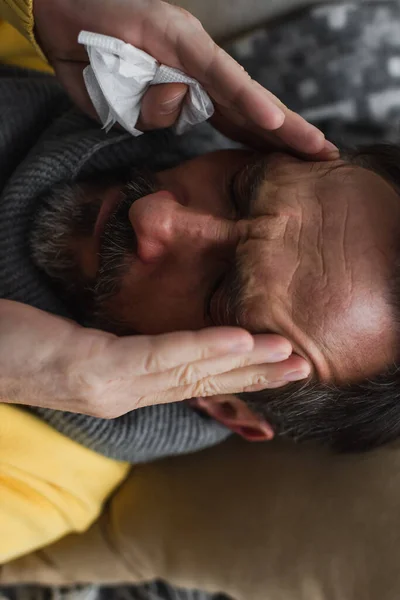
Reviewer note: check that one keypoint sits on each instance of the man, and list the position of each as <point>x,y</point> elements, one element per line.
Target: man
<point>268,242</point>
<point>58,467</point>
<point>63,146</point>
<point>172,35</point>
<point>326,511</point>
<point>51,484</point>
<point>197,233</point>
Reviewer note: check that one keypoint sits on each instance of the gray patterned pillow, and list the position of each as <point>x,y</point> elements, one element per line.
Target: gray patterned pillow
<point>336,64</point>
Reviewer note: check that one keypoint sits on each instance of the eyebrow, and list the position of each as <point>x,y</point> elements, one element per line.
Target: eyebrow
<point>246,183</point>
<point>244,187</point>
<point>233,295</point>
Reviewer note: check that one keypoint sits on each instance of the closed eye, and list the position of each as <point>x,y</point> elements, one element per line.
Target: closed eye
<point>237,186</point>
<point>232,191</point>
<point>232,196</point>
<point>209,298</point>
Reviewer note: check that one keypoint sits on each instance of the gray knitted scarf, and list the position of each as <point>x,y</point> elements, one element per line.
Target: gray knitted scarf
<point>43,141</point>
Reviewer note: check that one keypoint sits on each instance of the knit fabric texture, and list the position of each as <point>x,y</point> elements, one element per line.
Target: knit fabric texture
<point>44,141</point>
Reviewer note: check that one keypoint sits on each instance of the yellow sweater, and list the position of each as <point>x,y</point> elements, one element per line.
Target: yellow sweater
<point>17,42</point>
<point>49,485</point>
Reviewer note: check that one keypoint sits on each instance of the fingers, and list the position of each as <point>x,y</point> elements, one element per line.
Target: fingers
<point>187,46</point>
<point>328,152</point>
<point>247,379</point>
<point>142,370</point>
<point>191,377</point>
<point>306,139</point>
<point>289,136</point>
<point>164,353</point>
<point>232,88</point>
<point>267,349</point>
<point>252,379</point>
<point>161,106</point>
<point>294,132</point>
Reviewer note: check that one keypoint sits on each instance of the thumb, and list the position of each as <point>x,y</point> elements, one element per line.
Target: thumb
<point>161,106</point>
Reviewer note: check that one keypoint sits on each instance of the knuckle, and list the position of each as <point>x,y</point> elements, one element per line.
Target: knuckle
<point>244,361</point>
<point>188,375</point>
<point>257,380</point>
<point>206,387</point>
<point>191,19</point>
<point>196,23</point>
<point>154,119</point>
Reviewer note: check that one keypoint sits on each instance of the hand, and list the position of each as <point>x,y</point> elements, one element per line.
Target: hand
<point>52,362</point>
<point>176,38</point>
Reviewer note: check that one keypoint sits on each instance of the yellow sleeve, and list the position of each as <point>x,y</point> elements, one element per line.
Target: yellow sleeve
<point>17,41</point>
<point>49,485</point>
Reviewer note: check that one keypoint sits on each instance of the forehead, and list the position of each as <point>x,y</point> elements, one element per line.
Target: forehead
<point>317,260</point>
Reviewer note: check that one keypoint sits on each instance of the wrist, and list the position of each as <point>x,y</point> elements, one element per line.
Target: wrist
<point>81,365</point>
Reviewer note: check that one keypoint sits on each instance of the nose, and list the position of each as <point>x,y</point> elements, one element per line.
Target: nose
<point>163,227</point>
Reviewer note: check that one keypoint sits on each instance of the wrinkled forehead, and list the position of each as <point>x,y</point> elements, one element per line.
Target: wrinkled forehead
<point>334,301</point>
<point>349,309</point>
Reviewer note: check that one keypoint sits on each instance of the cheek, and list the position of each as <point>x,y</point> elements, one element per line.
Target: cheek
<point>160,304</point>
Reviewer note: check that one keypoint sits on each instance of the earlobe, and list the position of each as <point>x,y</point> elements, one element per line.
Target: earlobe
<point>237,416</point>
<point>256,434</point>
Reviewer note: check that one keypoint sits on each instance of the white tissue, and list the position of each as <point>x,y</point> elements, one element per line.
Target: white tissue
<point>119,75</point>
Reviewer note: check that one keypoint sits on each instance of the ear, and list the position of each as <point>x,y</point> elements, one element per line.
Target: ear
<point>235,414</point>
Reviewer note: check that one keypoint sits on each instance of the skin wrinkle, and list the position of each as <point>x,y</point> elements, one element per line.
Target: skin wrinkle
<point>347,264</point>
<point>324,270</point>
<point>315,269</point>
<point>320,229</point>
<point>291,288</point>
<point>295,268</point>
<point>320,244</point>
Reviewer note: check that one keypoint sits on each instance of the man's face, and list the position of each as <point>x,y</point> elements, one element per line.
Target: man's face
<point>271,243</point>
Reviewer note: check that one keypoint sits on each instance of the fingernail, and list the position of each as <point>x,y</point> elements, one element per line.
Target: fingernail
<point>316,137</point>
<point>280,356</point>
<point>276,116</point>
<point>331,149</point>
<point>295,375</point>
<point>267,385</point>
<point>172,105</point>
<point>241,348</point>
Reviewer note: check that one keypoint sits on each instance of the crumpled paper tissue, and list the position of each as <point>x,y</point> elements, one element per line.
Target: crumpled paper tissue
<point>119,75</point>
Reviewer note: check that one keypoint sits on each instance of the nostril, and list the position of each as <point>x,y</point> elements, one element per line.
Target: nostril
<point>149,250</point>
<point>133,242</point>
<point>154,221</point>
